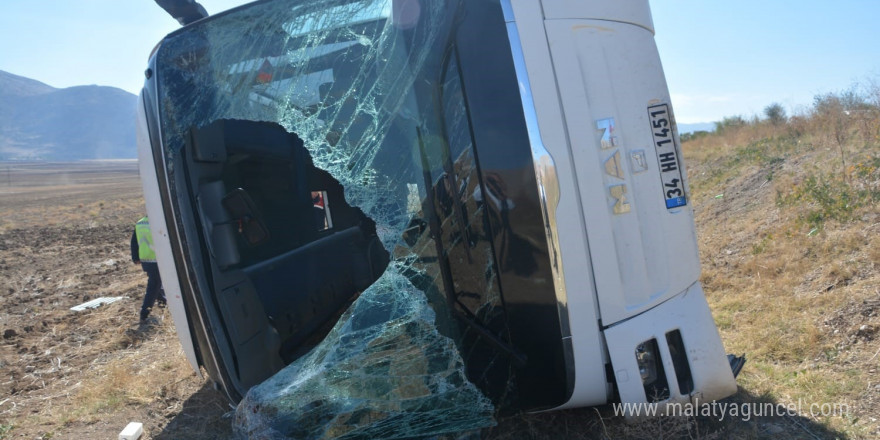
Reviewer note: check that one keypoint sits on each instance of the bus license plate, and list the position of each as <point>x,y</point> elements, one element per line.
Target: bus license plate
<point>667,156</point>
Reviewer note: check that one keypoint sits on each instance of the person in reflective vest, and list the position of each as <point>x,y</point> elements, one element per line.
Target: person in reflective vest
<point>144,254</point>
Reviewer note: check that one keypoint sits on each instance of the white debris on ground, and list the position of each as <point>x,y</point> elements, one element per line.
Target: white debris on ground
<point>95,303</point>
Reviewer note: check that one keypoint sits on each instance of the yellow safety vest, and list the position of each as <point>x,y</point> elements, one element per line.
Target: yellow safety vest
<point>146,251</point>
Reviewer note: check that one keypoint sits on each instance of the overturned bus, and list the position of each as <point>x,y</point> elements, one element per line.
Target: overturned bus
<point>514,162</point>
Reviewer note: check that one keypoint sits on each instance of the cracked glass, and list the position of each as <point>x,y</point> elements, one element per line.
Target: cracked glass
<point>371,95</point>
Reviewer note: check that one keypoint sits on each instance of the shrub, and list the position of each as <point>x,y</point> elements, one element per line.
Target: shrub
<point>775,113</point>
<point>826,198</point>
<point>730,123</point>
<point>694,135</point>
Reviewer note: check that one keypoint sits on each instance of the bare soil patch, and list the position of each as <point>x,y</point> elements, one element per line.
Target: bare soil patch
<point>64,237</point>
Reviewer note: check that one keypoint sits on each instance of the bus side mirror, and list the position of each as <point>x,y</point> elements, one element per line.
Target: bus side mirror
<point>246,217</point>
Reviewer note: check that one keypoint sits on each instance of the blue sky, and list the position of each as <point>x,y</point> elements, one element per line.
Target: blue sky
<point>725,57</point>
<point>721,57</point>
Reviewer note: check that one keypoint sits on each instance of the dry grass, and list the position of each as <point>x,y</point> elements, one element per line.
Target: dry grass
<point>135,378</point>
<point>789,231</point>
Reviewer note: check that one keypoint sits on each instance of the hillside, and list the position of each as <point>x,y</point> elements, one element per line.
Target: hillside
<point>38,121</point>
<point>788,218</point>
<point>19,86</point>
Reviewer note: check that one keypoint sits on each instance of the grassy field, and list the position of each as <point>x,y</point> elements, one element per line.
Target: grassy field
<point>789,229</point>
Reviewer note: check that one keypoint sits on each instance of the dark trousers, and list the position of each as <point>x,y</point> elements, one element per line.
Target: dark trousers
<point>154,288</point>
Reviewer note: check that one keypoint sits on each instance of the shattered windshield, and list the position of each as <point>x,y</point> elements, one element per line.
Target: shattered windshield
<point>339,74</point>
<point>338,137</point>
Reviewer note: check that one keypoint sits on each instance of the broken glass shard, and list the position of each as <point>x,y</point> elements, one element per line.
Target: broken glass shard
<point>383,372</point>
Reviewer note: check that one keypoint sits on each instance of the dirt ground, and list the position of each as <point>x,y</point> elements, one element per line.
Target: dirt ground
<point>64,238</point>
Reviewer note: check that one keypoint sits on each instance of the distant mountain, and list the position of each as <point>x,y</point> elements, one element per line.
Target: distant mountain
<point>698,126</point>
<point>18,86</point>
<point>38,121</point>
